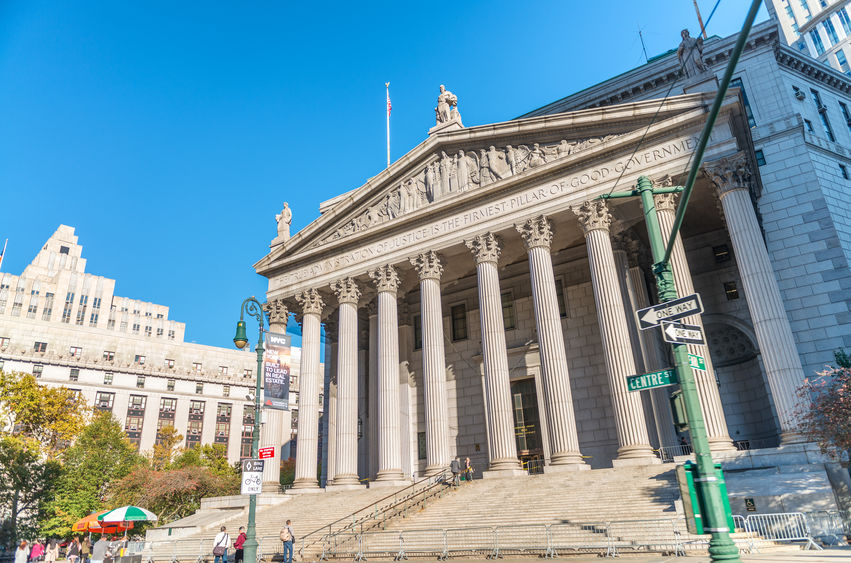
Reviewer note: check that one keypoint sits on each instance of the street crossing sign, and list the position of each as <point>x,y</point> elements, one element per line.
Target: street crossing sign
<point>679,333</point>
<point>696,362</point>
<point>687,306</point>
<point>661,378</point>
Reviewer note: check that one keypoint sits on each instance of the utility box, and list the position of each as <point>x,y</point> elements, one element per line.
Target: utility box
<point>694,505</point>
<point>678,411</point>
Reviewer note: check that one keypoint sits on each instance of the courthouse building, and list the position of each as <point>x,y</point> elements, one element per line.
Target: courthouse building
<point>67,327</point>
<point>478,295</point>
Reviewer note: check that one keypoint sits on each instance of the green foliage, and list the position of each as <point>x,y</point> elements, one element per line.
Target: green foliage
<point>101,455</point>
<point>27,481</point>
<point>53,416</point>
<point>166,448</point>
<point>212,456</point>
<point>843,360</point>
<point>287,472</point>
<point>824,411</point>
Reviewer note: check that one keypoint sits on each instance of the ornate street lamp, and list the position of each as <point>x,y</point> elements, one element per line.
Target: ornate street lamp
<point>255,309</point>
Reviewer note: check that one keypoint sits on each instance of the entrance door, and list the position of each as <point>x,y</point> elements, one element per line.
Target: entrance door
<point>527,427</point>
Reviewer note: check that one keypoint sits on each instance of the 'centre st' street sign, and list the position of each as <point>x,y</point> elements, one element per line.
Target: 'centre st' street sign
<point>669,311</point>
<point>679,333</point>
<point>650,380</point>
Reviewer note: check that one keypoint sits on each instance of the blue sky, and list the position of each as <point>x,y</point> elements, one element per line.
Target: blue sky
<point>170,133</point>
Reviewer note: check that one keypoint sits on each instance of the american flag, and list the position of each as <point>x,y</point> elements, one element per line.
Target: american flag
<point>2,254</point>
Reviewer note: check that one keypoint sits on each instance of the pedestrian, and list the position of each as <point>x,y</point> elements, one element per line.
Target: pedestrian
<point>36,551</point>
<point>73,551</point>
<point>288,536</point>
<point>468,470</point>
<point>22,553</point>
<point>85,550</point>
<point>455,468</point>
<point>100,550</point>
<point>221,544</point>
<point>237,545</point>
<point>51,552</point>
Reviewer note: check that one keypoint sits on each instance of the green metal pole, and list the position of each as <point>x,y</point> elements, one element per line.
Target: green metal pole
<point>721,546</point>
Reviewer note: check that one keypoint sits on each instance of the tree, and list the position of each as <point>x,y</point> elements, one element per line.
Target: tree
<point>53,416</point>
<point>102,454</point>
<point>287,473</point>
<point>168,440</point>
<point>26,482</point>
<point>212,456</point>
<point>825,407</point>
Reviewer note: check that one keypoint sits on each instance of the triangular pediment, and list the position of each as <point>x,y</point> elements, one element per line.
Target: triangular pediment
<point>466,162</point>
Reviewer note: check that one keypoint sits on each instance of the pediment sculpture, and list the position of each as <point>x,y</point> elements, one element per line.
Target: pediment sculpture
<point>446,175</point>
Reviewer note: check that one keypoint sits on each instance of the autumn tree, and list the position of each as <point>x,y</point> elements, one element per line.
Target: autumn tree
<point>166,448</point>
<point>27,481</point>
<point>824,410</point>
<point>212,456</point>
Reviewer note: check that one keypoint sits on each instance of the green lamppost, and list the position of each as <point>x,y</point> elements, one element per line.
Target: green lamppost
<point>255,309</point>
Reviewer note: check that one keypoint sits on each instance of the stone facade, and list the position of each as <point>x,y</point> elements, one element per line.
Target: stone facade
<point>819,28</point>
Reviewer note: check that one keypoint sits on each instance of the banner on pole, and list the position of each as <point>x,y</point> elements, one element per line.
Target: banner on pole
<point>276,371</point>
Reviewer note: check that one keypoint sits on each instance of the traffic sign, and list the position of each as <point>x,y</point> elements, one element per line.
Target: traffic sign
<point>252,476</point>
<point>267,453</point>
<point>661,378</point>
<point>696,362</point>
<point>687,306</point>
<point>679,333</point>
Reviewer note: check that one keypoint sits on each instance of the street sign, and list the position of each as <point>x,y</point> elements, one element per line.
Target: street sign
<point>661,378</point>
<point>267,453</point>
<point>678,333</point>
<point>669,311</point>
<point>696,362</point>
<point>252,476</point>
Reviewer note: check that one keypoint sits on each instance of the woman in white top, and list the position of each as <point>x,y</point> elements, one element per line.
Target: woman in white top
<point>51,552</point>
<point>22,553</point>
<point>221,544</point>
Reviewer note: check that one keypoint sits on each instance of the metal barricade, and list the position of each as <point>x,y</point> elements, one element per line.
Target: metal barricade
<point>667,453</point>
<point>660,535</point>
<point>578,537</point>
<point>524,538</point>
<point>826,526</point>
<point>423,543</point>
<point>781,527</point>
<point>382,543</point>
<point>471,540</point>
<point>743,538</point>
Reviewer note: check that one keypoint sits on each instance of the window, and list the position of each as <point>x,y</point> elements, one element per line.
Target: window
<point>159,315</point>
<point>107,378</point>
<point>108,356</point>
<point>844,171</point>
<point>731,290</point>
<point>123,326</point>
<point>199,388</point>
<point>170,385</point>
<point>168,404</point>
<point>246,373</point>
<point>562,302</point>
<point>4,343</point>
<point>196,366</point>
<point>139,360</point>
<point>33,306</point>
<point>159,332</point>
<point>169,363</point>
<point>223,370</point>
<point>196,407</point>
<point>418,332</point>
<point>75,374</point>
<point>721,253</point>
<point>737,83</point>
<point>844,20</point>
<point>226,390</point>
<point>194,429</point>
<point>830,31</point>
<point>136,328</point>
<point>110,324</point>
<point>822,112</point>
<point>509,320</point>
<point>814,35</point>
<point>76,351</point>
<point>760,157</point>
<point>806,9</point>
<point>63,250</point>
<point>137,402</point>
<point>47,311</point>
<point>81,310</point>
<point>18,302</point>
<point>224,409</point>
<point>37,370</point>
<point>844,109</point>
<point>458,315</point>
<point>93,319</point>
<point>148,314</point>
<point>222,429</point>
<point>245,449</point>
<point>421,445</point>
<point>147,331</point>
<point>809,126</point>
<point>134,423</point>
<point>171,335</point>
<point>40,347</point>
<point>140,381</point>
<point>104,400</point>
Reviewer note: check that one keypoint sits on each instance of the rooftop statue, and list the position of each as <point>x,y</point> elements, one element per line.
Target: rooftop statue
<point>447,106</point>
<point>690,53</point>
<point>284,219</point>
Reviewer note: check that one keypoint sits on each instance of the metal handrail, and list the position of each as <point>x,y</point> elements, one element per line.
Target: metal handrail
<point>370,511</point>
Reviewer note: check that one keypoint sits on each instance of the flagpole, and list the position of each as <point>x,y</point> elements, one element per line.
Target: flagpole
<point>387,86</point>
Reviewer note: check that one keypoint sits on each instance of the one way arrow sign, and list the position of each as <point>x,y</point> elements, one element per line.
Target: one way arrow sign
<point>678,333</point>
<point>669,311</point>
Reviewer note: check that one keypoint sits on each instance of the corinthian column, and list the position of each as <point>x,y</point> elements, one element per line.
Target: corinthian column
<point>308,397</point>
<point>389,445</point>
<point>430,269</point>
<point>561,421</point>
<point>346,458</point>
<point>783,369</point>
<point>634,443</point>
<point>502,448</point>
<point>707,386</point>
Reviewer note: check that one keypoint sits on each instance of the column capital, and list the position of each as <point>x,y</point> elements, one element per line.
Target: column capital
<point>310,301</point>
<point>536,232</point>
<point>276,311</point>
<point>593,215</point>
<point>666,202</point>
<point>386,278</point>
<point>428,265</point>
<point>485,248</point>
<point>729,173</point>
<point>347,290</point>
<point>664,181</point>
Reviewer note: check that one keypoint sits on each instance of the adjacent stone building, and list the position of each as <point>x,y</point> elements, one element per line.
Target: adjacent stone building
<point>819,28</point>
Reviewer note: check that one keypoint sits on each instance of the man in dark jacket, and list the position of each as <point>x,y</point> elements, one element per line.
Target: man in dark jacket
<point>455,468</point>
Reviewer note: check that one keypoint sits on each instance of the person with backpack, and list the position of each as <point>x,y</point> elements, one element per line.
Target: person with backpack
<point>221,544</point>
<point>288,537</point>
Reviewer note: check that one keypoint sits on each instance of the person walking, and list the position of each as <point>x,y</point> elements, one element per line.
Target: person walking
<point>85,550</point>
<point>288,537</point>
<point>468,470</point>
<point>100,550</point>
<point>237,545</point>
<point>37,551</point>
<point>73,551</point>
<point>51,552</point>
<point>22,554</point>
<point>455,468</point>
<point>221,544</point>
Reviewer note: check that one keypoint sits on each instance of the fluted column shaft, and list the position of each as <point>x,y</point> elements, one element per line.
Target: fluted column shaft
<point>707,385</point>
<point>389,445</point>
<point>308,399</point>
<point>773,332</point>
<point>502,448</point>
<point>372,389</point>
<point>434,363</point>
<point>347,384</point>
<point>633,440</point>
<point>561,420</point>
